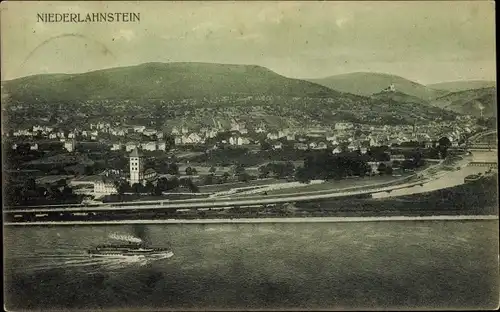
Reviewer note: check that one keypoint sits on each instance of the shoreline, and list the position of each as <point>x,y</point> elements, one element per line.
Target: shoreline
<point>265,220</point>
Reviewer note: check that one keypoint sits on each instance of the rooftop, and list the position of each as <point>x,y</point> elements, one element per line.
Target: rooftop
<point>135,153</point>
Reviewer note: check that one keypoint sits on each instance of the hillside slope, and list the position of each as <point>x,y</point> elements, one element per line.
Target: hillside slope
<point>470,102</point>
<point>399,97</point>
<point>365,84</point>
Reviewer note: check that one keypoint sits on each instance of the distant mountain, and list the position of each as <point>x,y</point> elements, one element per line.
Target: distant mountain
<point>470,102</point>
<point>455,86</point>
<point>161,81</point>
<point>365,83</point>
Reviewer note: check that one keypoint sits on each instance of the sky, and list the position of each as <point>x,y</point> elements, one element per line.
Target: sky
<point>427,42</point>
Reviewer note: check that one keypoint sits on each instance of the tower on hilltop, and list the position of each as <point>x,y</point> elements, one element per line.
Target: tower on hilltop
<point>136,167</point>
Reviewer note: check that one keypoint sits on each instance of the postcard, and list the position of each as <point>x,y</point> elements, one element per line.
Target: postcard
<point>260,155</point>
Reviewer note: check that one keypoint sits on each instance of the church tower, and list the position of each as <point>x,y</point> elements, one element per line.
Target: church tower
<point>136,167</point>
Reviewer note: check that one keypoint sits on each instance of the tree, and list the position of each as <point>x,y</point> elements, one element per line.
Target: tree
<point>137,188</point>
<point>265,146</point>
<point>444,142</point>
<point>264,171</point>
<point>121,187</point>
<point>173,183</point>
<point>443,152</point>
<point>173,169</point>
<point>23,148</point>
<point>55,193</point>
<point>388,170</point>
<point>209,179</point>
<point>192,187</point>
<point>244,177</point>
<point>41,191</point>
<point>157,191</point>
<point>238,169</point>
<point>149,187</point>
<point>225,177</point>
<point>301,175</point>
<point>67,192</point>
<point>162,184</point>
<point>381,168</point>
<point>30,184</point>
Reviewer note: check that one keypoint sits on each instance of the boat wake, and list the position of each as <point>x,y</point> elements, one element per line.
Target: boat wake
<point>80,262</point>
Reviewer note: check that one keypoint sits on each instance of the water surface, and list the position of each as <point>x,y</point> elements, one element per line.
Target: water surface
<point>366,265</point>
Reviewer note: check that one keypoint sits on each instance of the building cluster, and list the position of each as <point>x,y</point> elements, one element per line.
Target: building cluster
<point>338,136</point>
<point>106,183</point>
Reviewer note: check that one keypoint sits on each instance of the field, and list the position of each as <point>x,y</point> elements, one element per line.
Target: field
<point>228,186</point>
<point>335,185</point>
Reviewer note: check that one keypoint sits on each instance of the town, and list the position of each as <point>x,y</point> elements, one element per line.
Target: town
<point>120,162</point>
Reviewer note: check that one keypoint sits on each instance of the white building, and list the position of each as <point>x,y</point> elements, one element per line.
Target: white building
<point>149,132</point>
<point>192,138</point>
<point>238,141</point>
<point>272,136</point>
<point>162,146</point>
<point>322,146</point>
<point>344,125</point>
<point>70,145</point>
<point>130,146</point>
<point>149,146</point>
<point>136,167</point>
<point>104,187</point>
<point>337,150</point>
<point>301,146</point>
<point>116,147</point>
<point>139,129</point>
<point>278,146</point>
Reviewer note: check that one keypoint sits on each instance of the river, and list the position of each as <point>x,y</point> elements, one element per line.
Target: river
<point>358,265</point>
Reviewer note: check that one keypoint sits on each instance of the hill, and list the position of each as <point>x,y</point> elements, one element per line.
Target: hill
<point>456,86</point>
<point>163,94</point>
<point>470,102</point>
<point>365,83</point>
<point>161,81</point>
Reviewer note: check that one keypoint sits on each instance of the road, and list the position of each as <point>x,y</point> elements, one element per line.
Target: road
<point>476,136</point>
<point>215,203</point>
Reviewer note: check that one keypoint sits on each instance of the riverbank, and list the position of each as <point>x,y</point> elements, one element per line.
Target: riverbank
<point>478,198</point>
<point>269,220</point>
